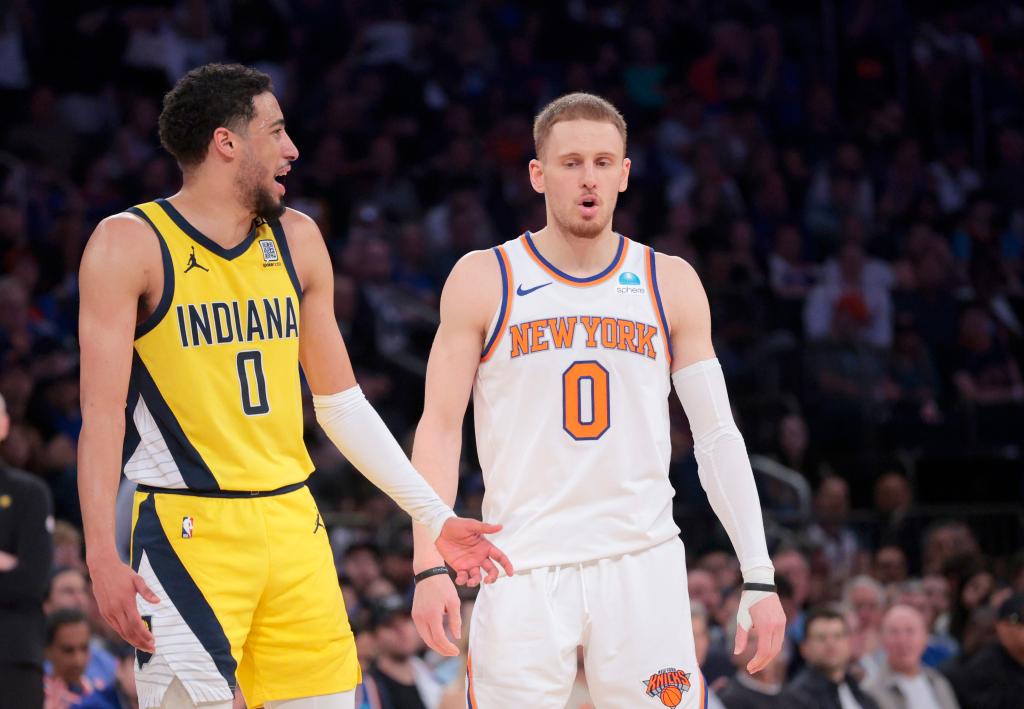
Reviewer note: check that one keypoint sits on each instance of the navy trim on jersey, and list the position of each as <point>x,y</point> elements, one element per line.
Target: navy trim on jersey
<point>168,293</point>
<point>149,537</point>
<point>205,241</point>
<point>666,335</point>
<point>223,494</point>
<point>194,470</point>
<point>611,267</point>
<point>131,431</point>
<point>286,255</point>
<point>504,305</point>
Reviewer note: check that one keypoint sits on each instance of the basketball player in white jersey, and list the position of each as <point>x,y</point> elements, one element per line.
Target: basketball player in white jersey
<point>570,340</point>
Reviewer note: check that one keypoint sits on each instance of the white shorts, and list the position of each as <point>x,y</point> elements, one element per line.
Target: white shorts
<point>630,613</point>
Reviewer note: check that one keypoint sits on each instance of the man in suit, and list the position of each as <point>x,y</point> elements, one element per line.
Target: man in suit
<point>26,552</point>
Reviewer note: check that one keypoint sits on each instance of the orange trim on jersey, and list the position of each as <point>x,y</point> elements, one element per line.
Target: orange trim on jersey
<point>506,304</point>
<point>470,694</point>
<point>659,311</point>
<point>703,692</point>
<point>565,278</point>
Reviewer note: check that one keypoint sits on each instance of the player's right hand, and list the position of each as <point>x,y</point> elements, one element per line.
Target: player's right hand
<point>434,598</point>
<point>115,586</point>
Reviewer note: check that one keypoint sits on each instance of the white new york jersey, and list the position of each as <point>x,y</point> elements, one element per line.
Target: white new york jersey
<point>571,409</point>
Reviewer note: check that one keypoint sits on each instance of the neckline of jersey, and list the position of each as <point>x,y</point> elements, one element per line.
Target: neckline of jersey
<point>617,261</point>
<point>205,241</point>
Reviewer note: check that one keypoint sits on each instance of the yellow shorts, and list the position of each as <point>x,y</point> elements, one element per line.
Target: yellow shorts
<point>248,593</point>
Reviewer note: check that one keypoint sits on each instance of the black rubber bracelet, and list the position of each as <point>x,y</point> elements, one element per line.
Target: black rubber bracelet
<point>769,587</point>
<point>433,571</point>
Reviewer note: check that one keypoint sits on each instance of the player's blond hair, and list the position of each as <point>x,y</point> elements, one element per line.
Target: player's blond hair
<point>573,107</point>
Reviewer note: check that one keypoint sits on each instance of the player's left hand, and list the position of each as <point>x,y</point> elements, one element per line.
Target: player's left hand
<point>767,618</point>
<point>463,545</point>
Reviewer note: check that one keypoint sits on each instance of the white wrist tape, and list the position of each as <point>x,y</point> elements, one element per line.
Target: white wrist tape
<point>722,462</point>
<point>357,430</point>
<point>758,574</point>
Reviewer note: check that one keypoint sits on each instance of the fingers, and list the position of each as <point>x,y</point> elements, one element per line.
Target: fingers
<point>143,590</point>
<point>474,577</point>
<point>454,610</point>
<point>135,631</point>
<point>741,640</point>
<point>492,571</point>
<point>499,556</point>
<point>431,629</point>
<point>485,528</point>
<point>462,577</point>
<point>763,655</point>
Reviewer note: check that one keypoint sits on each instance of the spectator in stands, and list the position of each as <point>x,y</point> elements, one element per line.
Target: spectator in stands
<point>69,589</point>
<point>994,677</point>
<point>67,651</point>
<point>760,691</point>
<point>360,567</point>
<point>403,680</point>
<point>122,693</point>
<point>792,565</point>
<point>26,551</point>
<point>903,681</point>
<point>830,531</point>
<point>864,599</point>
<point>826,682</point>
<point>940,646</point>
<point>889,565</point>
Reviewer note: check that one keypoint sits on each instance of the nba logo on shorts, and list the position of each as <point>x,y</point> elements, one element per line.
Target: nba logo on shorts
<point>186,527</point>
<point>269,250</point>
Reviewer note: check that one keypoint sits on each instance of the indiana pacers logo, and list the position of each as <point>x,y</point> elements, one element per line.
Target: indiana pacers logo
<point>668,685</point>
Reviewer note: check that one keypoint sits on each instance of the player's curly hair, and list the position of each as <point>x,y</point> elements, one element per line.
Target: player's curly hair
<point>205,99</point>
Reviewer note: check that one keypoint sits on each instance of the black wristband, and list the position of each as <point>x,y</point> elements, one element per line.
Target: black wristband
<point>432,571</point>
<point>768,587</point>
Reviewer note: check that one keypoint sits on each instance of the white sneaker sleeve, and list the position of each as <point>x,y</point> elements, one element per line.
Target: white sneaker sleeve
<point>356,428</point>
<point>723,464</point>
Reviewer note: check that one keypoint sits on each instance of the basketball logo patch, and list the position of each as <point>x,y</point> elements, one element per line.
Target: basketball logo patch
<point>187,526</point>
<point>669,685</point>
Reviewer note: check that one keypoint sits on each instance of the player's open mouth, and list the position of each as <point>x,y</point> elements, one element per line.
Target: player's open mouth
<point>280,176</point>
<point>588,207</point>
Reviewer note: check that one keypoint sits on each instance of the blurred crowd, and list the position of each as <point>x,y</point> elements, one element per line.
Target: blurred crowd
<point>844,175</point>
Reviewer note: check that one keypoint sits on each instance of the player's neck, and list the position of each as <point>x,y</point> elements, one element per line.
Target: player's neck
<point>212,207</point>
<point>576,255</point>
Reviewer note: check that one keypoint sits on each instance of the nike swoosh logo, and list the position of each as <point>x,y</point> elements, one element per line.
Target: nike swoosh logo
<point>521,291</point>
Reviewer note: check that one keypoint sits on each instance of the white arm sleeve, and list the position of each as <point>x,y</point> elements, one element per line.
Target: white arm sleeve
<point>723,465</point>
<point>356,428</point>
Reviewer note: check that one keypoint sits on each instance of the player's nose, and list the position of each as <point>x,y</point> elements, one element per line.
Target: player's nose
<point>289,150</point>
<point>589,176</point>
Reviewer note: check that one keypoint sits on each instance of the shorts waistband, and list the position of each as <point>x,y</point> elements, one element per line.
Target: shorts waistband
<point>229,494</point>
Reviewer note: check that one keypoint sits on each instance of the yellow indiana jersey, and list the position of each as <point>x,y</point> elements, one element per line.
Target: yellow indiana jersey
<point>214,401</point>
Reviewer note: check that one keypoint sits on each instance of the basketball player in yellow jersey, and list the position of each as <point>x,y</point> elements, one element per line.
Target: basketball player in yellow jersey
<point>196,312</point>
<point>570,340</point>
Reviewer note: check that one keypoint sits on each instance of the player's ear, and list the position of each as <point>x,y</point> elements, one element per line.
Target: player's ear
<point>624,182</point>
<point>224,142</point>
<point>537,175</point>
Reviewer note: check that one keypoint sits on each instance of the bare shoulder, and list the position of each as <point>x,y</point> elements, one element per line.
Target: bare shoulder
<point>682,293</point>
<point>300,230</point>
<point>119,245</point>
<point>675,274</point>
<point>473,289</point>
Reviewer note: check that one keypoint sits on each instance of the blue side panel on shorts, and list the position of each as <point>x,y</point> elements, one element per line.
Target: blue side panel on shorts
<point>193,468</point>
<point>188,600</point>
